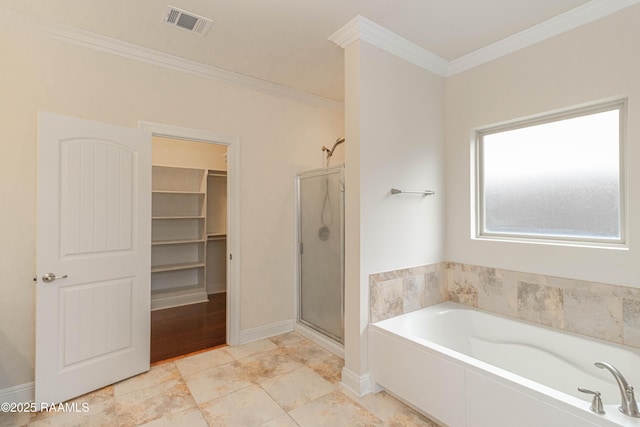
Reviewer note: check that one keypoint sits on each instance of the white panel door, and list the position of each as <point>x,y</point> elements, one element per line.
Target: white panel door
<point>93,242</point>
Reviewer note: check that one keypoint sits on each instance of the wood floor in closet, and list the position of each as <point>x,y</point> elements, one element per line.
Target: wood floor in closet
<point>182,330</point>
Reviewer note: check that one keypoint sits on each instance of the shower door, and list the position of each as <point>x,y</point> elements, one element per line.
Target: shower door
<point>321,251</point>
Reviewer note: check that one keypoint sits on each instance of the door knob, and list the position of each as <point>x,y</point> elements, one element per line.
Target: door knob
<point>50,277</point>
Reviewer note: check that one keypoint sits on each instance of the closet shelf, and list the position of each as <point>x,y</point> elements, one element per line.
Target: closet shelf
<point>195,193</point>
<point>175,267</point>
<point>216,236</point>
<point>184,290</point>
<point>176,242</point>
<point>178,217</point>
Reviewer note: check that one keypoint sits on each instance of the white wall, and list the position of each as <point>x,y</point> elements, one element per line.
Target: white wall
<point>278,137</point>
<point>594,62</point>
<point>395,138</point>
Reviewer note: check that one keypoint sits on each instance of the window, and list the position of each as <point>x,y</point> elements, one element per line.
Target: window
<point>557,177</point>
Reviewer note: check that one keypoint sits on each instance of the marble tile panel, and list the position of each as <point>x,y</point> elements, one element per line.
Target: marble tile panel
<point>631,317</point>
<point>251,406</point>
<point>333,409</point>
<point>246,350</point>
<point>384,276</point>
<point>283,420</point>
<point>15,419</point>
<point>156,375</point>
<point>304,351</point>
<point>203,361</point>
<point>545,307</point>
<point>406,272</point>
<point>567,283</point>
<point>66,419</point>
<point>416,271</point>
<point>514,277</point>
<point>297,388</point>
<point>414,289</point>
<point>409,418</point>
<point>100,411</point>
<point>285,339</point>
<point>330,369</point>
<point>603,289</point>
<point>105,394</point>
<point>496,294</point>
<point>463,287</point>
<point>456,266</point>
<point>437,287</point>
<point>191,418</point>
<point>103,413</point>
<point>389,410</point>
<point>145,405</point>
<point>216,382</point>
<point>386,299</point>
<point>540,304</point>
<point>264,366</point>
<point>490,277</point>
<point>626,292</point>
<point>594,315</point>
<point>424,290</point>
<point>323,362</point>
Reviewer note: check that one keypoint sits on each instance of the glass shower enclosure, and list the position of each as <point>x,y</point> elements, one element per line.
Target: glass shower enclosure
<point>321,251</point>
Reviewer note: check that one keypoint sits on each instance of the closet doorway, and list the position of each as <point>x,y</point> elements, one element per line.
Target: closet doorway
<point>189,250</point>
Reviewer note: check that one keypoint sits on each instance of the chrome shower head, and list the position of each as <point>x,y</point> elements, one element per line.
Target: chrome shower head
<point>330,152</point>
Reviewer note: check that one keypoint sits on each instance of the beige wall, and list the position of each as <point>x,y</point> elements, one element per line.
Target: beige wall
<point>278,138</point>
<point>192,154</point>
<point>597,61</point>
<point>395,137</point>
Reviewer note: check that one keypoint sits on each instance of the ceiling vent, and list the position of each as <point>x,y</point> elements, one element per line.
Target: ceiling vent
<point>187,20</point>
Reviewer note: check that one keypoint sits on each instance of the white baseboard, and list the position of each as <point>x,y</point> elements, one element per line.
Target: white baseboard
<point>18,393</point>
<point>266,331</point>
<point>177,299</point>
<point>358,384</point>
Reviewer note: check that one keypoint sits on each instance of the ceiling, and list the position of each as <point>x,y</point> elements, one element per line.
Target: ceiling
<point>285,41</point>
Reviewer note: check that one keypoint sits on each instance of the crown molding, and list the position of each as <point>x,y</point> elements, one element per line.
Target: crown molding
<point>360,28</point>
<point>349,33</point>
<point>552,27</point>
<point>136,52</point>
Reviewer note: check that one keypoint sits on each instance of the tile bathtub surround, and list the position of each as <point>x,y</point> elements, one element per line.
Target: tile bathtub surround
<point>599,310</point>
<point>540,304</point>
<point>281,381</point>
<point>402,291</point>
<point>607,312</point>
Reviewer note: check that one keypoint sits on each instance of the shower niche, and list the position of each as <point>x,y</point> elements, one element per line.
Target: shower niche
<point>321,251</point>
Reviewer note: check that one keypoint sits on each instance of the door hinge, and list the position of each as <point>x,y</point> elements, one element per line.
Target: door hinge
<point>230,257</point>
<point>301,248</point>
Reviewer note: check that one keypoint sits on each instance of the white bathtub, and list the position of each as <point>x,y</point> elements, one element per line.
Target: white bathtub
<point>465,367</point>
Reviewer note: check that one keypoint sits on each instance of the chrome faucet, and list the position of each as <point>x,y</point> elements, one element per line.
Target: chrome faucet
<point>629,406</point>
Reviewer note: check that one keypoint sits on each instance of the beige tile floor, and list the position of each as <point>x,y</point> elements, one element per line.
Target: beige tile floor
<point>277,382</point>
